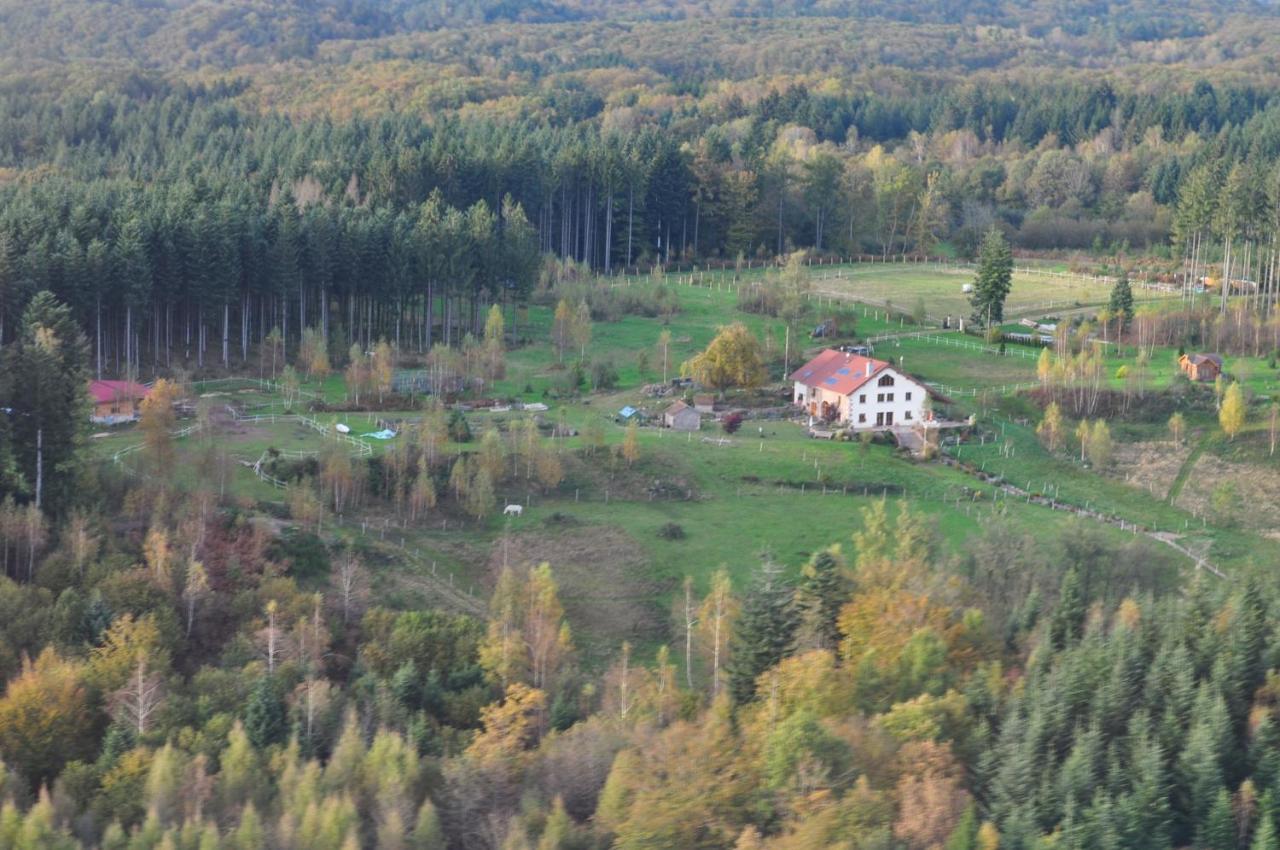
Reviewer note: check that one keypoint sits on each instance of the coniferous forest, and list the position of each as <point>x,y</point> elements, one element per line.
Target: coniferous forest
<point>196,190</point>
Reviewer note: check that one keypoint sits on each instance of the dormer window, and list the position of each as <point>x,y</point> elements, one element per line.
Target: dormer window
<point>885,381</point>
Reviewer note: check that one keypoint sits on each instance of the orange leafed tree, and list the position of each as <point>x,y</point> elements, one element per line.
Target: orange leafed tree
<point>45,718</point>
<point>157,421</point>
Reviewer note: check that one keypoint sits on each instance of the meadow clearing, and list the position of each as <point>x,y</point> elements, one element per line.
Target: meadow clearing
<point>623,537</point>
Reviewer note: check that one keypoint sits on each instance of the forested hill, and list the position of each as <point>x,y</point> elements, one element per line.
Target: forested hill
<point>229,33</point>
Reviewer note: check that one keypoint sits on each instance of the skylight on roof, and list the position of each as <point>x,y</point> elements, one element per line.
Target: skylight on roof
<point>843,371</point>
<point>829,381</point>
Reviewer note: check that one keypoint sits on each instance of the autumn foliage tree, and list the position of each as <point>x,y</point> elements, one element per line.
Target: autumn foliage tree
<point>528,639</point>
<point>1234,410</point>
<point>46,718</point>
<point>157,422</point>
<point>733,359</point>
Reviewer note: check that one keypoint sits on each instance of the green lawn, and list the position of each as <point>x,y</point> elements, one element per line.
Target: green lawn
<point>941,288</point>
<point>781,497</point>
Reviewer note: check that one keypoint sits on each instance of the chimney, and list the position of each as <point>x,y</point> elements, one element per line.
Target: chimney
<point>871,367</point>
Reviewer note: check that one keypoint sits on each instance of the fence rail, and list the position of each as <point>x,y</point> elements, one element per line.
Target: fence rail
<point>362,449</point>
<point>954,340</point>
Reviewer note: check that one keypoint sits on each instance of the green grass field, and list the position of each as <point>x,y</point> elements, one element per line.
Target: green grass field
<point>941,288</point>
<point>781,496</point>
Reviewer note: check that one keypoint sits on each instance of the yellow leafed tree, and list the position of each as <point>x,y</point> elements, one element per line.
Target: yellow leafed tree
<point>733,359</point>
<point>1231,416</point>
<point>156,421</point>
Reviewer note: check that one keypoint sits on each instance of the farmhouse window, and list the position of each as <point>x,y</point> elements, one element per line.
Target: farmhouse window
<point>862,417</point>
<point>862,399</point>
<point>888,397</point>
<point>886,381</point>
<point>906,415</point>
<point>908,396</point>
<point>879,396</point>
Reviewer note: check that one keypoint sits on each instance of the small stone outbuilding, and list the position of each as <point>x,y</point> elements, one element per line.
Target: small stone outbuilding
<point>681,417</point>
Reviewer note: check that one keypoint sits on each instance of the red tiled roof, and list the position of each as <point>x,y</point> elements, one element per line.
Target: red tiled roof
<point>104,392</point>
<point>838,372</point>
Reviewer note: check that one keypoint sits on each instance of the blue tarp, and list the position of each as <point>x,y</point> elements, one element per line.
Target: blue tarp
<point>381,435</point>
<point>627,412</point>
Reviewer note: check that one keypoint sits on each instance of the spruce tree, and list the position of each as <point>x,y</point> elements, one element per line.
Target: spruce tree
<point>264,717</point>
<point>1068,617</point>
<point>1218,832</point>
<point>1121,302</point>
<point>993,281</point>
<point>765,630</point>
<point>1199,777</point>
<point>819,598</point>
<point>43,394</point>
<point>1264,834</point>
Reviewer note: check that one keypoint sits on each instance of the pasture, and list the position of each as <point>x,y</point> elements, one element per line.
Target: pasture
<point>622,538</point>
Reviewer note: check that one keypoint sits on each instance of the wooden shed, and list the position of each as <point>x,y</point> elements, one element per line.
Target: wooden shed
<point>1201,367</point>
<point>681,417</point>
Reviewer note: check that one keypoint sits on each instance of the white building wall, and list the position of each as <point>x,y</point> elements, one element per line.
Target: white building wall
<point>851,406</point>
<point>905,411</point>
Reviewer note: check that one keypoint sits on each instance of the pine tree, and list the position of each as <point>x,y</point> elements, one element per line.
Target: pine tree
<point>765,630</point>
<point>819,598</point>
<point>427,833</point>
<point>43,378</point>
<point>965,834</point>
<point>558,832</point>
<point>1264,834</point>
<point>264,715</point>
<point>1218,832</point>
<point>993,281</point>
<point>1067,623</point>
<point>1121,302</point>
<point>1199,775</point>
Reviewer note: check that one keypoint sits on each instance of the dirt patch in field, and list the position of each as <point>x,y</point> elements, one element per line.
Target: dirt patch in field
<point>1244,493</point>
<point>605,581</point>
<point>1152,466</point>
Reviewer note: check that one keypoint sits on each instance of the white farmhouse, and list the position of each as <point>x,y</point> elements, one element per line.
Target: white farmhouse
<point>860,392</point>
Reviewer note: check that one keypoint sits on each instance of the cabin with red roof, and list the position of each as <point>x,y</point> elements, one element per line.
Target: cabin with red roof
<point>116,401</point>
<point>861,392</point>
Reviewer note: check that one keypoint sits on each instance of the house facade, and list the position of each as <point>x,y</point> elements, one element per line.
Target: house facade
<point>116,401</point>
<point>860,392</point>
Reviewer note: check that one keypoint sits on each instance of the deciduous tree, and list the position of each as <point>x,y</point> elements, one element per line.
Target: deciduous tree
<point>733,359</point>
<point>1234,410</point>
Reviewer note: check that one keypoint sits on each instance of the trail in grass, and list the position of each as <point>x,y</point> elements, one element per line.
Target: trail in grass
<point>1175,489</point>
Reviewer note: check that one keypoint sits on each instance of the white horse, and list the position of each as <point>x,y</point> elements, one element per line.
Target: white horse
<point>513,510</point>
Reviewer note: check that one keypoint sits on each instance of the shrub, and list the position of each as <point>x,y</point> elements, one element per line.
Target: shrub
<point>672,531</point>
<point>604,376</point>
<point>732,422</point>
<point>459,430</point>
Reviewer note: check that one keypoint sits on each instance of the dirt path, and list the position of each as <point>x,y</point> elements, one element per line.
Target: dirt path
<point>1175,489</point>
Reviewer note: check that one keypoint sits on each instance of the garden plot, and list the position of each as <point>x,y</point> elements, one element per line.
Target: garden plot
<point>1152,466</point>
